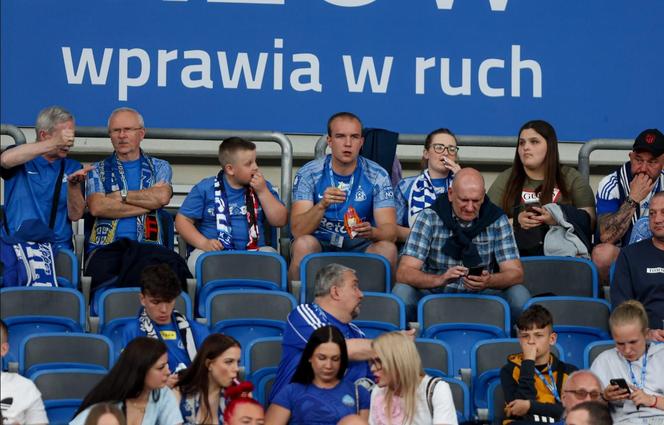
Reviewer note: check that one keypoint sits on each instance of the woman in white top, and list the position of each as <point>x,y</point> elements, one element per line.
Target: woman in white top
<point>636,361</point>
<point>137,384</point>
<point>403,393</point>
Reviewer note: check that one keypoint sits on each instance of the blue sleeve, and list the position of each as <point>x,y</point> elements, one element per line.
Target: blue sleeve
<point>640,231</point>
<point>284,398</point>
<point>129,332</point>
<point>383,193</point>
<point>304,186</point>
<point>621,286</point>
<point>607,206</point>
<point>193,205</point>
<point>401,202</point>
<point>163,170</point>
<point>418,243</point>
<point>273,191</point>
<point>168,409</point>
<point>505,248</point>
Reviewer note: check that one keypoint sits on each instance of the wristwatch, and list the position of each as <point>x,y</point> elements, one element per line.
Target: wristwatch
<point>632,202</point>
<point>123,194</point>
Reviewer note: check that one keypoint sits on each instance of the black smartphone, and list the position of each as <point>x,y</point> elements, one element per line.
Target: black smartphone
<point>621,383</point>
<point>475,271</point>
<point>533,203</point>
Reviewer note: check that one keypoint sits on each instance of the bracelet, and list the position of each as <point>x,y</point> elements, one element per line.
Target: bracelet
<point>632,202</point>
<point>655,403</point>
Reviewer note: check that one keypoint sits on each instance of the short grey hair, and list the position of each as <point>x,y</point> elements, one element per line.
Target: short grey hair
<point>329,276</point>
<point>125,109</point>
<point>49,117</point>
<point>576,373</point>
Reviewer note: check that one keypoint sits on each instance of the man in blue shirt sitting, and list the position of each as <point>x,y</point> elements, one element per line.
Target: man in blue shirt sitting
<point>325,189</point>
<point>159,319</point>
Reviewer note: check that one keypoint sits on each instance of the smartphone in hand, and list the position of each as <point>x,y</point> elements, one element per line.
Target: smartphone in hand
<point>475,271</point>
<point>621,383</point>
<point>531,203</point>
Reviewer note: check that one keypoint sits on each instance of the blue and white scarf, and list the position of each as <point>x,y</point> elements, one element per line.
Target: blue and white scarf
<point>38,260</point>
<point>112,175</point>
<point>223,217</point>
<point>422,195</point>
<point>147,327</point>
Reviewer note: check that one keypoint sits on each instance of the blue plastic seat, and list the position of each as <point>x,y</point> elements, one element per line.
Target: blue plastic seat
<point>246,331</point>
<point>496,403</point>
<point>560,276</point>
<point>61,412</point>
<point>461,320</point>
<point>380,313</point>
<point>578,321</point>
<point>373,271</point>
<point>594,349</point>
<point>237,270</point>
<point>436,356</point>
<point>261,353</point>
<point>33,310</point>
<point>263,380</point>
<point>65,350</point>
<point>460,395</point>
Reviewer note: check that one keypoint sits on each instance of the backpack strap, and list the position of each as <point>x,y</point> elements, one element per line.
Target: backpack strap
<point>431,386</point>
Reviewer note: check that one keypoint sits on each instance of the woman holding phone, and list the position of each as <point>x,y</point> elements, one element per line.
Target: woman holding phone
<point>536,179</point>
<point>632,373</point>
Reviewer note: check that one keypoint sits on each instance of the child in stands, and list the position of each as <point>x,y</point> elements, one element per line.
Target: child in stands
<point>532,380</point>
<point>227,212</point>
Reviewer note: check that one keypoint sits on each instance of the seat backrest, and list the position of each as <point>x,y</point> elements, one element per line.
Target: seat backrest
<point>435,354</point>
<point>594,349</point>
<point>265,266</point>
<point>576,311</point>
<point>380,307</point>
<point>562,276</point>
<point>373,271</point>
<point>119,303</point>
<point>56,384</point>
<point>496,403</point>
<point>463,308</point>
<point>460,396</point>
<point>245,304</point>
<point>66,265</point>
<point>263,352</point>
<point>42,301</point>
<point>37,349</point>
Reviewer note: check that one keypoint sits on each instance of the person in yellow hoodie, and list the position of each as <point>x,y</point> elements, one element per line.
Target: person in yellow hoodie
<point>532,380</point>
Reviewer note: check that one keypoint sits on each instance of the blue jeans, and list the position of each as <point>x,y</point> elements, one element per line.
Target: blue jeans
<point>515,296</point>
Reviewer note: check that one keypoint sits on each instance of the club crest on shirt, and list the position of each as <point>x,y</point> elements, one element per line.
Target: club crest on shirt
<point>360,195</point>
<point>348,400</point>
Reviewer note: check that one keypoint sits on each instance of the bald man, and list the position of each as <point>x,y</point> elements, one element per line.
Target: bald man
<point>462,244</point>
<point>580,386</point>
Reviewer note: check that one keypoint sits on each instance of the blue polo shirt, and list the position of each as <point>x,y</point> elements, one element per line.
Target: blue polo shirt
<point>199,206</point>
<point>29,190</point>
<point>302,322</point>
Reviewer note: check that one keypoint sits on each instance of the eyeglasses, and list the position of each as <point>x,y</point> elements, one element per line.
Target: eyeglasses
<point>118,131</point>
<point>583,394</point>
<point>441,148</point>
<point>375,363</point>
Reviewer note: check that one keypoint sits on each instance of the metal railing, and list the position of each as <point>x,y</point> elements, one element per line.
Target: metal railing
<point>14,132</point>
<point>596,144</point>
<point>209,134</point>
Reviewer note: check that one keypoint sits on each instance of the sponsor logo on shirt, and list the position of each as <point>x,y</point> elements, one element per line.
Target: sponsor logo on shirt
<point>652,270</point>
<point>168,335</point>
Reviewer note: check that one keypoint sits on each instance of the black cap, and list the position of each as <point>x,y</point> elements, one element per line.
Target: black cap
<point>651,140</point>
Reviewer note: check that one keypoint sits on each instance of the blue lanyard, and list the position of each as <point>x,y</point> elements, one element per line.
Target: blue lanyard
<point>352,184</point>
<point>644,364</point>
<point>552,386</point>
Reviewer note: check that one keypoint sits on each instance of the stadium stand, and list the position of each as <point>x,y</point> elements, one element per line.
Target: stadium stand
<point>380,313</point>
<point>562,276</point>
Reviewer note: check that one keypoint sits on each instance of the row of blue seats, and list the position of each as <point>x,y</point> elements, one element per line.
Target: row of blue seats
<point>460,319</point>
<point>229,270</point>
<point>47,354</point>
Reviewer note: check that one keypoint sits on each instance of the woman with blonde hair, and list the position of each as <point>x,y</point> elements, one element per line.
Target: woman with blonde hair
<point>631,373</point>
<point>404,394</point>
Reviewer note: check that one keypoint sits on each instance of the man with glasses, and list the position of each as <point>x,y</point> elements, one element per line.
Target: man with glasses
<point>126,193</point>
<point>580,386</point>
<point>624,196</point>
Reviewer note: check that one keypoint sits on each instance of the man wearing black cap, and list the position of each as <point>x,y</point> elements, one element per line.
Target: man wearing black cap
<point>624,195</point>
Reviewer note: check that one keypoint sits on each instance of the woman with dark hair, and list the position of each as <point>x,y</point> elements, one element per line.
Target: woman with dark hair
<point>537,179</point>
<point>413,194</point>
<point>105,414</point>
<point>242,409</point>
<point>317,393</point>
<point>200,390</point>
<point>137,384</point>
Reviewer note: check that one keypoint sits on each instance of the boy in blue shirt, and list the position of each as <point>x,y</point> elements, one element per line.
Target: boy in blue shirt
<point>158,318</point>
<point>226,212</point>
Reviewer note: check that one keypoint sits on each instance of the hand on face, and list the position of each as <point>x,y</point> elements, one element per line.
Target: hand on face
<point>61,139</point>
<point>333,195</point>
<point>451,165</point>
<point>640,187</point>
<point>258,182</point>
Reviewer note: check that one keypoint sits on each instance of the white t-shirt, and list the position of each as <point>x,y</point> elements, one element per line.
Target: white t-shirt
<point>444,411</point>
<point>610,364</point>
<point>20,400</point>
